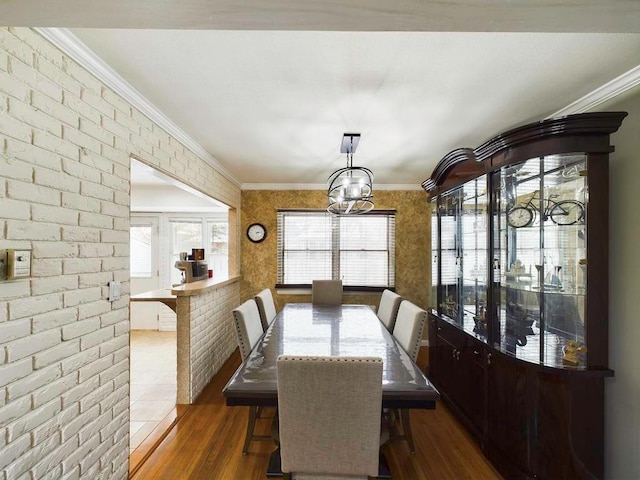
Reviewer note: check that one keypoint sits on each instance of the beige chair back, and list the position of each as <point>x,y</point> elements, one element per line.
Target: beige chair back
<point>329,411</point>
<point>409,326</point>
<point>388,308</point>
<point>248,326</point>
<point>326,292</point>
<point>266,307</point>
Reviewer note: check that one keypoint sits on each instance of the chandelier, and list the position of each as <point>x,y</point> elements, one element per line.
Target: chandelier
<point>350,189</point>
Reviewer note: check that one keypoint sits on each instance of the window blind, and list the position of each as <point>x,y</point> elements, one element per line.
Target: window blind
<point>315,245</point>
<point>140,251</point>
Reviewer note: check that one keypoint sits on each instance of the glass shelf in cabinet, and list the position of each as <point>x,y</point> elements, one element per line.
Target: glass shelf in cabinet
<point>567,292</point>
<point>517,277</point>
<point>473,280</point>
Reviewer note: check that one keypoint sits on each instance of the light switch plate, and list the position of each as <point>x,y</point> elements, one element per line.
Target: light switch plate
<point>3,265</point>
<point>16,264</point>
<point>114,290</point>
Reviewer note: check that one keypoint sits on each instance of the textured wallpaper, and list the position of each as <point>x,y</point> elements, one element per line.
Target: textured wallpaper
<point>258,260</point>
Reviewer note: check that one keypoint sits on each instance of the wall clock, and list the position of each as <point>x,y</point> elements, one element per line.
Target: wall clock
<point>256,232</point>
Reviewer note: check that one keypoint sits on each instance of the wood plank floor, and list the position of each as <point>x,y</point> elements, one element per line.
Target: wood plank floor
<point>207,444</point>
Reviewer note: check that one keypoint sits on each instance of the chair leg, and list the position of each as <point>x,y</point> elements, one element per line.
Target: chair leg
<point>250,426</point>
<point>406,427</point>
<point>275,429</point>
<point>259,412</point>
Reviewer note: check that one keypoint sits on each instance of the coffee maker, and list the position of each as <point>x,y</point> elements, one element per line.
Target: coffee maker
<point>193,267</point>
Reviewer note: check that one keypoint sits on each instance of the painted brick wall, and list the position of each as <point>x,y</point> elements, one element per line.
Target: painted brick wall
<point>212,334</point>
<point>65,144</point>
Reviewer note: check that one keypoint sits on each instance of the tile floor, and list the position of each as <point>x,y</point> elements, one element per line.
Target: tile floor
<point>153,381</point>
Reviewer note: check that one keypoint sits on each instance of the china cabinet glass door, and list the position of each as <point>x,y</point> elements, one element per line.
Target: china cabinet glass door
<point>539,252</point>
<point>474,255</point>
<point>435,250</point>
<point>450,206</point>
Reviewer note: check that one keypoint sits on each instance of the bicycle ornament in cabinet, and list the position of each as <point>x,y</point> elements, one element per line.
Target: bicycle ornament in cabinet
<point>519,265</point>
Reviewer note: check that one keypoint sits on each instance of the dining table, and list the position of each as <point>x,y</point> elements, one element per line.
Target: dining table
<point>329,330</point>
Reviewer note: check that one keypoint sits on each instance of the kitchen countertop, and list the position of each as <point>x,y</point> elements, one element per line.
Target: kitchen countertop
<point>202,286</point>
<point>162,295</point>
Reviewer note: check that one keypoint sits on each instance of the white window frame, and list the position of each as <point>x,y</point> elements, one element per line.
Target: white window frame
<point>163,263</point>
<point>335,249</point>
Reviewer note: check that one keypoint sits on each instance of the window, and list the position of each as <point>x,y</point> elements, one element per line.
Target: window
<point>218,254</point>
<point>141,254</point>
<point>315,245</point>
<point>211,232</point>
<point>185,235</point>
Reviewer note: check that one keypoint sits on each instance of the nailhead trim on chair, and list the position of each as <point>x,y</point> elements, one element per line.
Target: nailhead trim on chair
<point>332,359</point>
<point>416,347</point>
<point>241,340</point>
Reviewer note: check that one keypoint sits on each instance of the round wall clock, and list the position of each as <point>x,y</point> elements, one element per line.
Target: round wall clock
<point>256,232</point>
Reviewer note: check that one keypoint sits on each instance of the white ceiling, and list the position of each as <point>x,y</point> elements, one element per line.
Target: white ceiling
<point>272,106</point>
<point>270,93</point>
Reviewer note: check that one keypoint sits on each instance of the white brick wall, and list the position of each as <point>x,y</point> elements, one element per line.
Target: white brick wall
<point>212,335</point>
<point>65,144</point>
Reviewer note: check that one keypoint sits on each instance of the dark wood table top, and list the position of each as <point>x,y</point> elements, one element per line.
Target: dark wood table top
<point>346,330</point>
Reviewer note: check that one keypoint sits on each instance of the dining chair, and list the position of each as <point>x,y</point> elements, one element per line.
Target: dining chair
<point>326,292</point>
<point>248,331</point>
<point>388,308</point>
<point>407,331</point>
<point>266,307</point>
<point>329,411</point>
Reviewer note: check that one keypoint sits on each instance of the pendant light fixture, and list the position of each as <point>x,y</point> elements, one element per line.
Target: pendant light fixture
<point>350,189</point>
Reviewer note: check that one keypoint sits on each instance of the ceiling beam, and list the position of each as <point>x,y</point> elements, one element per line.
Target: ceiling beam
<point>585,16</point>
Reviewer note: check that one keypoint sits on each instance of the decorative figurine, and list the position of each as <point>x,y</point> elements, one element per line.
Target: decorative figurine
<point>518,268</point>
<point>450,307</point>
<point>481,319</point>
<point>570,353</point>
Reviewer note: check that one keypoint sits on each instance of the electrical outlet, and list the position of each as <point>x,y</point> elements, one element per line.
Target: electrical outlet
<point>114,290</point>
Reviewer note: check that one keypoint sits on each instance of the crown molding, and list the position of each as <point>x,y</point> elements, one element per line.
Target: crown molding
<point>83,55</point>
<point>609,90</point>
<point>283,186</point>
<point>323,186</point>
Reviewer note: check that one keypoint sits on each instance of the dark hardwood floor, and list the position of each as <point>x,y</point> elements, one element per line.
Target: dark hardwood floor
<point>206,443</point>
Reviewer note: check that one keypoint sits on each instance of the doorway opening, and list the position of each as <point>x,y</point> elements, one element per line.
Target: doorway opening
<point>167,217</point>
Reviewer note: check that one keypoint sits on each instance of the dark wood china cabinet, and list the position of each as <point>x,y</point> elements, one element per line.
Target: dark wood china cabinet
<point>518,324</point>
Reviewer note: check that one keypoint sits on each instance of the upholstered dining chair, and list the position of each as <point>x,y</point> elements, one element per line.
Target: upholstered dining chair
<point>407,331</point>
<point>266,307</point>
<point>329,410</point>
<point>248,331</point>
<point>388,308</point>
<point>326,292</point>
